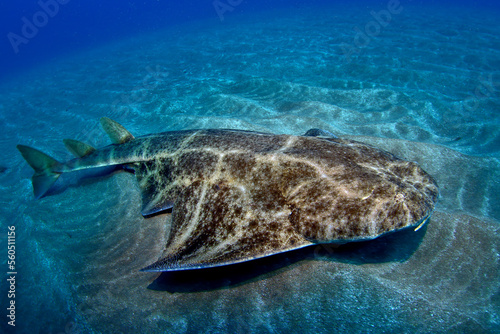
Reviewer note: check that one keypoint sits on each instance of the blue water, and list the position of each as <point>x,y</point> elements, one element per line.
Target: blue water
<point>420,79</point>
<point>75,26</point>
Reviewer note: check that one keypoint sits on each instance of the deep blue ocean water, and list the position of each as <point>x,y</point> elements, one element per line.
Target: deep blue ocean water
<point>420,79</point>
<point>74,25</point>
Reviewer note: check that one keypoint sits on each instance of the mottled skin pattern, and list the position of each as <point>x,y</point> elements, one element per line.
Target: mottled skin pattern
<point>239,195</point>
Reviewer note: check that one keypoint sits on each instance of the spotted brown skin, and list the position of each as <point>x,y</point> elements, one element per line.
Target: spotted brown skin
<point>240,195</point>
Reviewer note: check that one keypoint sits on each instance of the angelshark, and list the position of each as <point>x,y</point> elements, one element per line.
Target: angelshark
<point>240,195</point>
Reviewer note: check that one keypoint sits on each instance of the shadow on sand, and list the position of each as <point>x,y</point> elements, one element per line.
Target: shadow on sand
<point>394,247</point>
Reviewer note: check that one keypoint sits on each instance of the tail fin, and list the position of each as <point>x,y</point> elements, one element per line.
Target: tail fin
<point>44,166</point>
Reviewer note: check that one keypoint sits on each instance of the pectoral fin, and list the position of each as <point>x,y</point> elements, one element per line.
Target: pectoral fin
<point>216,224</point>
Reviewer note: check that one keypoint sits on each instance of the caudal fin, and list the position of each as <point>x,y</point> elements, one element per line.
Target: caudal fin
<point>44,167</point>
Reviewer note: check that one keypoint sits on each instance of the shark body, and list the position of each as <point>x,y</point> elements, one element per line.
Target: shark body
<point>240,195</point>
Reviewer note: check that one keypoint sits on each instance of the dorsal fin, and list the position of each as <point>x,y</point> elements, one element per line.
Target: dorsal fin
<point>78,148</point>
<point>116,132</point>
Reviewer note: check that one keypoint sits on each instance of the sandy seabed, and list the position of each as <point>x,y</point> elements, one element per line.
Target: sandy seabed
<point>427,88</point>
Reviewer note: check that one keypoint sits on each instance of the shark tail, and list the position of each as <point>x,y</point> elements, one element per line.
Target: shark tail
<point>47,169</point>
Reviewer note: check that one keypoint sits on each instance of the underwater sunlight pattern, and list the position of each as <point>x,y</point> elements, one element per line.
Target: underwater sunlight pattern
<point>419,79</point>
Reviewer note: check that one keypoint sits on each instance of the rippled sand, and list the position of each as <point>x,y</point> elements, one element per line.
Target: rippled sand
<point>427,88</point>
